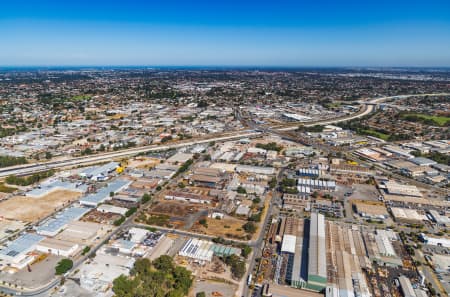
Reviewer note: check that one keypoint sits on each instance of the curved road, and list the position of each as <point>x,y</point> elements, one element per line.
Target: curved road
<point>368,107</point>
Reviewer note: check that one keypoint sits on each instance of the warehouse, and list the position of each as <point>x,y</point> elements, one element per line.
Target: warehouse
<point>309,172</point>
<point>398,151</point>
<point>316,184</point>
<point>317,266</point>
<point>187,197</point>
<point>293,117</point>
<point>384,244</point>
<point>203,251</point>
<point>179,158</point>
<point>47,188</point>
<point>255,169</point>
<point>57,247</point>
<point>199,250</point>
<point>98,274</point>
<point>421,161</point>
<point>99,173</point>
<point>406,215</point>
<point>435,240</point>
<point>203,180</point>
<point>406,287</point>
<point>16,252</point>
<point>80,232</point>
<point>438,218</point>
<point>370,209</point>
<point>53,226</point>
<point>103,194</point>
<point>394,188</point>
<point>107,208</point>
<point>288,245</point>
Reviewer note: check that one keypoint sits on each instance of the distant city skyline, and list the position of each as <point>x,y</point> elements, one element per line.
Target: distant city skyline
<point>226,33</point>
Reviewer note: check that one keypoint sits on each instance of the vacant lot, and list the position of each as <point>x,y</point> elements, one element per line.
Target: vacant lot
<point>226,227</point>
<point>143,162</point>
<point>33,209</point>
<point>175,209</point>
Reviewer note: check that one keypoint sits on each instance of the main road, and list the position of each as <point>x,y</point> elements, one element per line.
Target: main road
<point>367,108</point>
<point>42,166</point>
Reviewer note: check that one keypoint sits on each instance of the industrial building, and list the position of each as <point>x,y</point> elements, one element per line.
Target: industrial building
<point>406,287</point>
<point>53,226</point>
<point>316,184</point>
<point>202,251</point>
<point>407,215</point>
<point>99,173</point>
<point>188,197</point>
<point>317,265</point>
<point>57,247</point>
<point>255,169</point>
<point>435,240</point>
<point>92,200</point>
<point>309,172</point>
<point>80,232</point>
<point>97,275</point>
<point>393,188</point>
<point>16,253</point>
<point>56,185</point>
<point>108,208</point>
<point>439,219</point>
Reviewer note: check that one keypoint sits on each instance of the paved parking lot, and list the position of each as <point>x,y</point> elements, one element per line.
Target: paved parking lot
<point>41,273</point>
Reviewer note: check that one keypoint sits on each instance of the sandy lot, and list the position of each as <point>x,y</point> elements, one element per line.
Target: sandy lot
<point>33,209</point>
<point>143,162</point>
<point>226,227</point>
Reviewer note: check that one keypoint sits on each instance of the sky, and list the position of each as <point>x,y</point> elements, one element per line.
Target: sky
<point>287,33</point>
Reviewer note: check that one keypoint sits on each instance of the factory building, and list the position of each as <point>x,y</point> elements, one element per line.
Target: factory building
<point>17,253</point>
<point>53,226</point>
<point>438,218</point>
<point>202,251</point>
<point>57,247</point>
<point>309,172</point>
<point>435,240</point>
<point>316,184</point>
<point>99,173</point>
<point>406,287</point>
<point>317,266</point>
<point>104,194</point>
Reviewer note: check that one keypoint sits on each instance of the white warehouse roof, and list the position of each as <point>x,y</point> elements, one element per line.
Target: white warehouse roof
<point>288,244</point>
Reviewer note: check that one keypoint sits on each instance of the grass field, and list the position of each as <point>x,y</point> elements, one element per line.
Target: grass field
<point>375,134</point>
<point>438,120</point>
<point>6,189</point>
<point>80,98</point>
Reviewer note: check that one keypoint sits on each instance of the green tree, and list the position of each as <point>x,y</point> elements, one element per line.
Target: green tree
<point>249,227</point>
<point>63,266</point>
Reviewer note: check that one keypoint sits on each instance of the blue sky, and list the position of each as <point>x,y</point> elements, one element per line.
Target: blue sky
<point>234,33</point>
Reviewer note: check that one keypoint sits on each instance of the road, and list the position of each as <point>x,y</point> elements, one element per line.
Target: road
<point>257,247</point>
<point>368,107</point>
<point>37,167</point>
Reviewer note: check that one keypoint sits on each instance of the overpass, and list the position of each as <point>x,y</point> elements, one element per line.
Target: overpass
<point>367,108</point>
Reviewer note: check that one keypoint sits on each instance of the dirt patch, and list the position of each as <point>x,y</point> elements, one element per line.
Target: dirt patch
<point>174,209</point>
<point>143,162</point>
<point>33,209</point>
<point>226,227</point>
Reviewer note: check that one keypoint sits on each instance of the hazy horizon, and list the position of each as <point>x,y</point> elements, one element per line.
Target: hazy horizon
<point>175,33</point>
